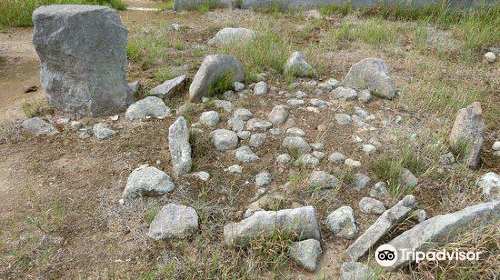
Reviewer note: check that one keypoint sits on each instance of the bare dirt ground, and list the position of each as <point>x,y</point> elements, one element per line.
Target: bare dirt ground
<point>59,211</point>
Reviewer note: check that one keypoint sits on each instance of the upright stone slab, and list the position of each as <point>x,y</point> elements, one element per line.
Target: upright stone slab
<point>83,57</point>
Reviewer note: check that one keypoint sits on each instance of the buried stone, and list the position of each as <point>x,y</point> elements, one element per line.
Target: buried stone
<point>83,68</point>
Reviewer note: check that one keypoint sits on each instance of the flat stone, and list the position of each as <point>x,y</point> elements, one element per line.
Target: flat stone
<point>210,118</point>
<point>236,124</point>
<point>246,155</point>
<point>356,271</point>
<point>336,157</point>
<point>150,106</point>
<point>490,183</point>
<point>257,139</point>
<point>379,190</point>
<point>283,159</point>
<point>344,93</point>
<point>296,144</point>
<point>321,179</point>
<point>224,139</point>
<point>361,181</point>
<point>243,114</point>
<point>147,181</point>
<point>174,221</point>
<point>278,115</point>
<point>230,35</point>
<point>371,206</point>
<point>258,124</point>
<point>262,179</point>
<point>169,88</point>
<point>38,126</point>
<point>235,169</point>
<point>260,88</point>
<point>102,131</point>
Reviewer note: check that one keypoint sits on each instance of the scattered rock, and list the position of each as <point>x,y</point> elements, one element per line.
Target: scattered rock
<point>76,125</point>
<point>307,161</point>
<point>224,139</point>
<point>244,135</point>
<point>202,175</point>
<point>369,148</point>
<point>102,131</point>
<point>321,179</point>
<point>168,88</point>
<point>468,129</point>
<point>318,146</point>
<point>318,103</point>
<point>364,96</point>
<point>150,106</point>
<point>38,126</point>
<point>257,139</point>
<point>306,253</point>
<point>318,155</point>
<point>262,179</point>
<point>297,66</point>
<point>342,222</point>
<point>301,221</point>
<point>260,88</point>
<point>295,102</point>
<point>408,179</point>
<point>296,144</point>
<point>345,93</point>
<point>83,68</point>
<point>343,119</point>
<point>379,190</point>
<point>246,155</point>
<point>496,146</point>
<point>389,219</point>
<point>361,181</point>
<point>371,206</point>
<point>258,124</point>
<point>443,229</point>
<point>283,159</point>
<point>147,181</point>
<point>490,183</point>
<point>352,162</point>
<point>371,74</point>
<point>295,131</point>
<point>231,35</point>
<point>236,124</point>
<point>447,159</point>
<point>226,105</point>
<point>180,149</point>
<point>174,221</point>
<point>336,157</point>
<point>490,57</point>
<point>235,169</point>
<point>210,118</point>
<point>356,271</point>
<point>278,115</point>
<point>212,69</point>
<point>237,86</point>
<point>421,215</point>
<point>243,114</point>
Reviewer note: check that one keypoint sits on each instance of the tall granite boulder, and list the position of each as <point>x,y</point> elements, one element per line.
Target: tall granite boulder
<point>83,56</point>
<point>180,149</point>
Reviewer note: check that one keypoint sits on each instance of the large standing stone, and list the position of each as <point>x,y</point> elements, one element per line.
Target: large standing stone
<point>443,229</point>
<point>231,35</point>
<point>83,57</point>
<point>468,130</point>
<point>381,227</point>
<point>180,149</point>
<point>296,65</point>
<point>302,221</point>
<point>212,69</point>
<point>147,181</point>
<point>371,74</point>
<point>174,221</point>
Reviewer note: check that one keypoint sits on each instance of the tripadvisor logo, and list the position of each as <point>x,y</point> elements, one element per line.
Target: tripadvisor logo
<point>386,255</point>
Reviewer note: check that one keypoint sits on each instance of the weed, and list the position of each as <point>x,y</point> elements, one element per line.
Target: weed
<point>223,83</point>
<point>461,148</point>
<point>33,107</point>
<point>208,5</point>
<point>151,213</point>
<point>164,74</point>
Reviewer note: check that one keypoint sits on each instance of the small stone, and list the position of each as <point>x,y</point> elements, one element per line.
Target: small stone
<point>297,66</point>
<point>224,139</point>
<point>364,96</point>
<point>322,127</point>
<point>342,222</point>
<point>147,181</point>
<point>244,135</point>
<point>361,181</point>
<point>257,139</point>
<point>174,221</point>
<point>262,179</point>
<point>318,146</point>
<point>321,179</point>
<point>231,35</point>
<point>295,131</point>
<point>114,118</point>
<point>76,125</point>
<point>318,103</point>
<point>237,86</point>
<point>496,146</point>
<point>371,74</point>
<point>490,183</point>
<point>246,155</point>
<point>296,144</point>
<point>63,121</point>
<point>307,161</point>
<point>369,148</point>
<point>243,114</point>
<point>343,119</point>
<point>379,190</point>
<point>318,155</point>
<point>209,118</point>
<point>38,126</point>
<point>306,253</point>
<point>408,179</point>
<point>490,57</point>
<point>179,146</point>
<point>356,271</point>
<point>278,115</point>
<point>150,106</point>
<point>225,105</point>
<point>260,88</point>
<point>235,169</point>
<point>295,102</point>
<point>229,95</point>
<point>371,206</point>
<point>352,162</point>
<point>168,88</point>
<point>258,124</point>
<point>310,84</point>
<point>283,159</point>
<point>202,175</point>
<point>300,94</point>
<point>344,93</point>
<point>336,157</point>
<point>236,124</point>
<point>101,131</point>
<point>421,215</point>
<point>399,119</point>
<point>121,201</point>
<point>447,159</point>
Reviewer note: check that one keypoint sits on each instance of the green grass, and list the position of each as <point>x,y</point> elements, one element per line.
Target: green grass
<point>208,5</point>
<point>151,213</point>
<point>221,85</point>
<point>17,13</point>
<point>164,74</point>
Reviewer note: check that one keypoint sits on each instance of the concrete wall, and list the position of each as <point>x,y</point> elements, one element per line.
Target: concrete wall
<point>313,4</point>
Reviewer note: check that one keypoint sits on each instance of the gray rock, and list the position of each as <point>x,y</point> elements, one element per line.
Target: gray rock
<point>379,191</point>
<point>301,221</point>
<point>134,87</point>
<point>180,149</point>
<point>295,102</point>
<point>296,65</point>
<point>262,179</point>
<point>343,119</point>
<point>237,86</point>
<point>246,155</point>
<point>236,124</point>
<point>328,85</point>
<point>408,179</point>
<point>226,105</point>
<point>243,114</point>
<point>345,93</point>
<point>212,69</point>
<point>336,157</point>
<point>388,220</point>
<point>443,229</point>
<point>369,148</point>
<point>306,253</point>
<point>421,215</point>
<point>371,206</point>
<point>257,139</point>
<point>102,131</point>
<point>371,74</point>
<point>342,222</point>
<point>468,129</point>
<point>260,88</point>
<point>174,221</point>
<point>364,96</point>
<point>496,146</point>
<point>318,146</point>
<point>202,175</point>
<point>231,35</point>
<point>321,179</point>
<point>296,144</point>
<point>490,57</point>
<point>295,131</point>
<point>38,126</point>
<point>235,169</point>
<point>76,125</point>
<point>168,88</point>
<point>318,155</point>
<point>356,271</point>
<point>83,68</point>
<point>258,124</point>
<point>490,183</point>
<point>361,181</point>
<point>147,181</point>
<point>307,161</point>
<point>150,106</point>
<point>244,135</point>
<point>278,115</point>
<point>283,159</point>
<point>352,162</point>
<point>210,118</point>
<point>447,159</point>
<point>224,139</point>
<point>318,103</point>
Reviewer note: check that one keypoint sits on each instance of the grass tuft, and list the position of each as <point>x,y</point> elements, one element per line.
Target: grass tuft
<point>33,107</point>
